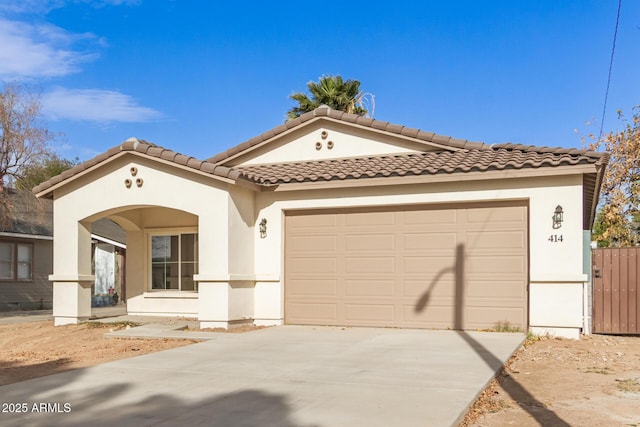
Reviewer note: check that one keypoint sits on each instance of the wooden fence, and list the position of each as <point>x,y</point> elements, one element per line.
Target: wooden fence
<point>616,300</point>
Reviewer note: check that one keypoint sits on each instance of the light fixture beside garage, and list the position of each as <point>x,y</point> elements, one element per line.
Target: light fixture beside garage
<point>263,228</point>
<point>557,217</point>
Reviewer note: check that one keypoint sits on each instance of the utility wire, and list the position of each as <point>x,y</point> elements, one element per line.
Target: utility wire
<point>613,49</point>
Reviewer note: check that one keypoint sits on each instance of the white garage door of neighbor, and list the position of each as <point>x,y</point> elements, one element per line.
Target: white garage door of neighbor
<point>446,266</point>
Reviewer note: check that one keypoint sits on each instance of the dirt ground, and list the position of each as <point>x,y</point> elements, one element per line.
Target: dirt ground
<point>594,381</point>
<point>35,349</point>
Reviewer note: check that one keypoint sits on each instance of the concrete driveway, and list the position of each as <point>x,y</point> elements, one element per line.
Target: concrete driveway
<point>284,376</point>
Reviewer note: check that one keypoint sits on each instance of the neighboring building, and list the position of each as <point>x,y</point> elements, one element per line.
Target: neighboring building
<point>26,255</point>
<point>108,251</point>
<point>335,219</point>
<point>26,258</point>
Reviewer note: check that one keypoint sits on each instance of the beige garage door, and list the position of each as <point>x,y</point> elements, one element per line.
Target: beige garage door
<point>460,267</point>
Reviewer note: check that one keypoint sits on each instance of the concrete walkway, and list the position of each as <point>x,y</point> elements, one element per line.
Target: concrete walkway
<point>282,376</point>
<point>150,326</point>
<point>9,317</point>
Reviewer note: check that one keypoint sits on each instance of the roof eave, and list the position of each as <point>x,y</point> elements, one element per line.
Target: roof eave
<point>429,178</point>
<point>596,193</point>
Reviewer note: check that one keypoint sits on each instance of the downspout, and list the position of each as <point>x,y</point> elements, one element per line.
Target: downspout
<point>586,286</point>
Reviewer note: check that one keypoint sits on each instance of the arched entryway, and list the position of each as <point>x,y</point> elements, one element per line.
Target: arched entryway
<point>162,258</point>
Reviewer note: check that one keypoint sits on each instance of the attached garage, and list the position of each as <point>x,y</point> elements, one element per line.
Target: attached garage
<point>408,266</point>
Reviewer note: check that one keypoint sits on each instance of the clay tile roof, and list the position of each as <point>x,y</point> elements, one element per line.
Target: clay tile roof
<point>148,149</point>
<point>428,163</point>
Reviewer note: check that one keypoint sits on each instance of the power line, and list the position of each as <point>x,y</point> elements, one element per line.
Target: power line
<point>613,49</point>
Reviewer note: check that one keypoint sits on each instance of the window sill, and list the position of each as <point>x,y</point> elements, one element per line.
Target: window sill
<point>171,294</point>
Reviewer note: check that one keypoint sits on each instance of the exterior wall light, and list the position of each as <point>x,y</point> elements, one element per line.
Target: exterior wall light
<point>263,228</point>
<point>557,217</point>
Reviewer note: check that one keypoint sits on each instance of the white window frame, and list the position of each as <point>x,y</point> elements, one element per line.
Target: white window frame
<point>16,263</point>
<point>154,232</point>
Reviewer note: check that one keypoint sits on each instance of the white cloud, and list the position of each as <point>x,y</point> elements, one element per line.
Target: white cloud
<point>45,6</point>
<point>100,106</point>
<point>44,50</point>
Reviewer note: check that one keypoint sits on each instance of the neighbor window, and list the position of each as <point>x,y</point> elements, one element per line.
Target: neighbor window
<point>16,261</point>
<point>174,261</point>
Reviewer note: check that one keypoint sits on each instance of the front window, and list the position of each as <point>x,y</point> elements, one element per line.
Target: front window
<point>16,261</point>
<point>174,261</point>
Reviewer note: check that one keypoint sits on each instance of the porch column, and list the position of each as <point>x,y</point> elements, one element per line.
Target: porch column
<point>213,277</point>
<point>71,299</point>
<point>71,276</point>
<point>213,301</point>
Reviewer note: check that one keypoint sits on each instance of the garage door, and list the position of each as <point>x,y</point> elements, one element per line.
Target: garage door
<point>453,266</point>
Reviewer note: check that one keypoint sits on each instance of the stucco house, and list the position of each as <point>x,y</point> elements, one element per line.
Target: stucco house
<point>335,219</point>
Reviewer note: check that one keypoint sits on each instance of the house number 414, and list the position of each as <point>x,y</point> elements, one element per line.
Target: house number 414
<point>555,238</point>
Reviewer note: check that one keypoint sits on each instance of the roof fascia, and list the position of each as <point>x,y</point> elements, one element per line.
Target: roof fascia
<point>25,236</point>
<point>109,241</point>
<point>421,179</point>
<point>596,194</point>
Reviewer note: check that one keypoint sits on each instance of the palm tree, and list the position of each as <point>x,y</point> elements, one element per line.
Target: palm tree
<point>333,92</point>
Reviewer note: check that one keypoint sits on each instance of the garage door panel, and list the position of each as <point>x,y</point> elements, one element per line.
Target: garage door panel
<point>430,265</point>
<point>314,312</point>
<point>313,243</point>
<point>314,222</point>
<point>496,265</point>
<point>369,313</point>
<point>437,316</point>
<point>370,218</point>
<point>402,267</point>
<point>370,242</point>
<point>370,287</point>
<point>444,286</point>
<point>437,218</point>
<point>491,288</point>
<point>426,240</point>
<point>496,240</point>
<point>314,287</point>
<point>369,265</point>
<point>314,265</point>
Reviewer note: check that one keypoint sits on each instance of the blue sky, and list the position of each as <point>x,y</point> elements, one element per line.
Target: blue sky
<point>199,77</point>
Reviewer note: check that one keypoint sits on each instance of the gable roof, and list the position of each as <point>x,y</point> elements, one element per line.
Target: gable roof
<point>325,112</point>
<point>144,148</point>
<point>451,156</point>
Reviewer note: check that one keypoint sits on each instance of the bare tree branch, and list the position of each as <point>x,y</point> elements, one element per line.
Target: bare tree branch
<point>24,140</point>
